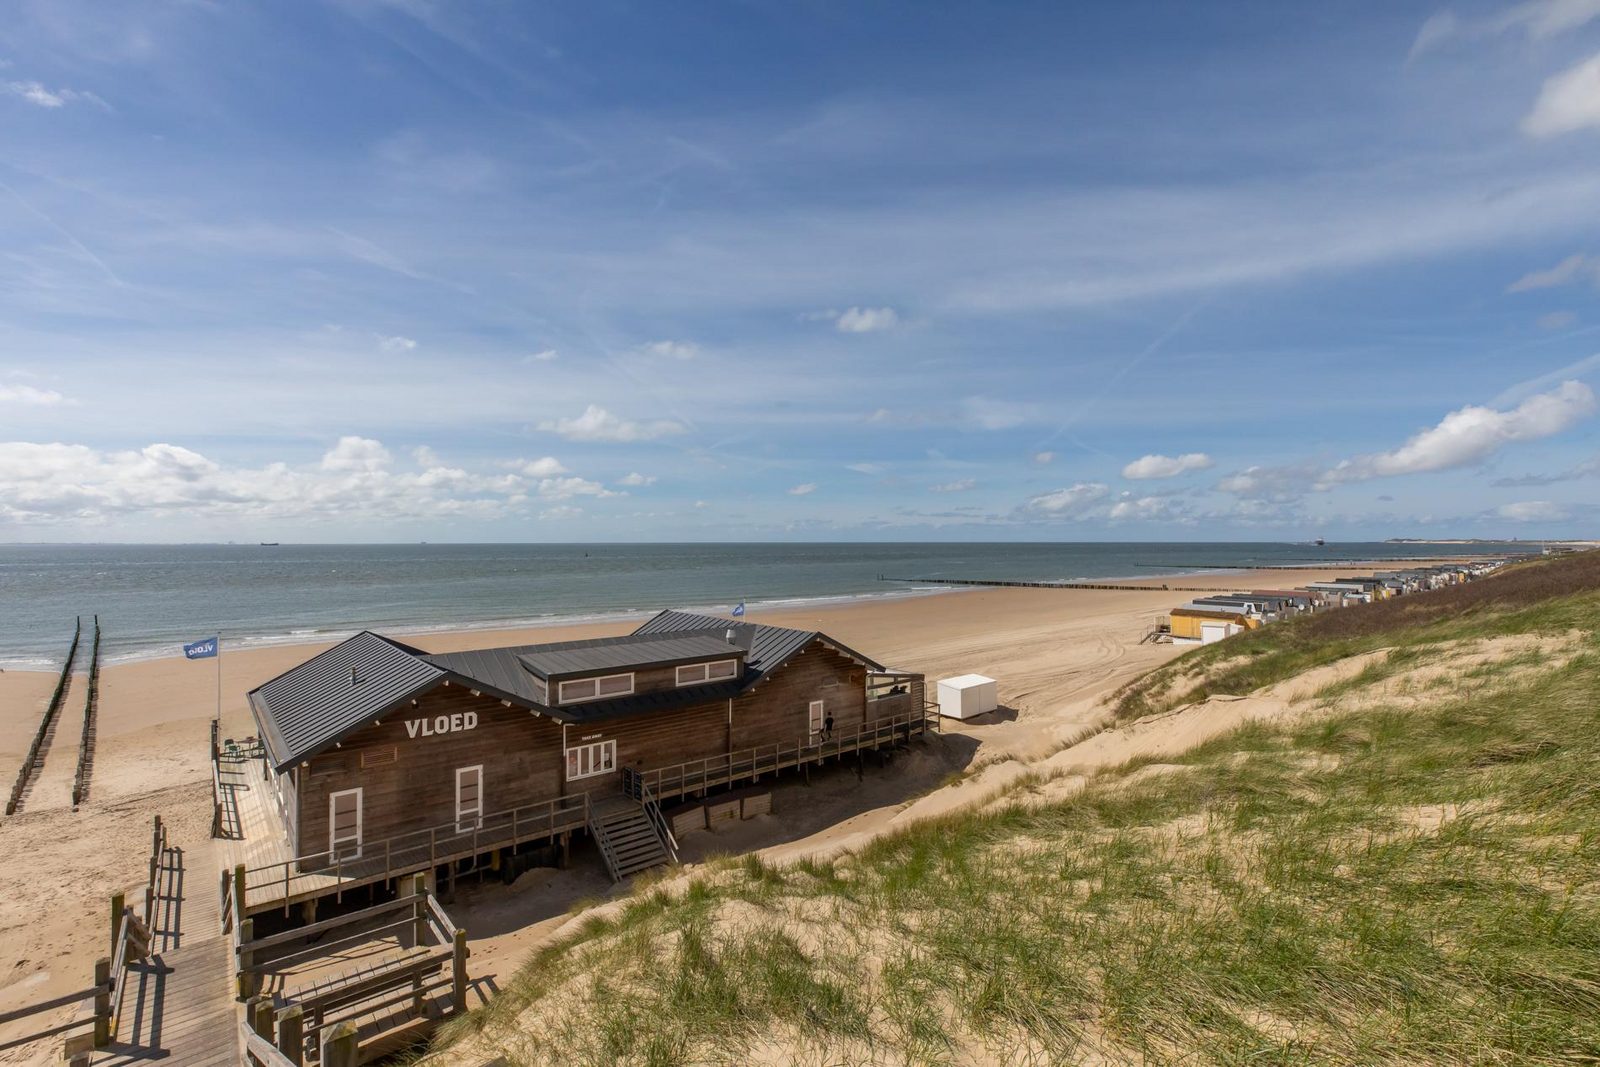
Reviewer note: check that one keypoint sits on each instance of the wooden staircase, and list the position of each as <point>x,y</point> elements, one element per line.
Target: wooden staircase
<point>628,838</point>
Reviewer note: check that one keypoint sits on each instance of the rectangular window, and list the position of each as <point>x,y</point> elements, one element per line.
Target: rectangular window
<point>817,719</point>
<point>586,761</point>
<point>344,825</point>
<point>611,685</point>
<point>695,673</point>
<point>469,798</point>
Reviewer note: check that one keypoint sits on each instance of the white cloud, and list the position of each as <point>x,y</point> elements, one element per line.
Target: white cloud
<point>561,511</point>
<point>1538,19</point>
<point>39,96</point>
<point>566,488</point>
<point>426,457</point>
<point>1438,27</point>
<point>1157,466</point>
<point>702,504</point>
<point>987,414</point>
<point>598,424</point>
<point>1263,483</point>
<point>1568,102</point>
<point>396,344</point>
<point>672,349</point>
<point>544,356</point>
<point>804,489</point>
<point>1532,511</point>
<point>1044,457</point>
<point>60,484</point>
<point>1472,434</point>
<point>869,469</point>
<point>356,454</point>
<point>636,479</point>
<point>866,320</point>
<point>1070,502</point>
<point>1146,509</point>
<point>958,486</point>
<point>1568,270</point>
<point>28,396</point>
<point>1556,320</point>
<point>543,467</point>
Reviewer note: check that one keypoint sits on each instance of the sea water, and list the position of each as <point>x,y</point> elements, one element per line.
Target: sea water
<point>152,598</point>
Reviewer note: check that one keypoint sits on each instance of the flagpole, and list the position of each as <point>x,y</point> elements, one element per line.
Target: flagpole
<point>219,677</point>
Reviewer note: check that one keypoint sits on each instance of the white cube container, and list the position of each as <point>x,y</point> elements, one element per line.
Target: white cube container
<point>967,695</point>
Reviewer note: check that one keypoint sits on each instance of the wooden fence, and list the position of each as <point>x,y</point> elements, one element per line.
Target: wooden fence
<point>91,708</point>
<point>397,992</point>
<point>31,761</point>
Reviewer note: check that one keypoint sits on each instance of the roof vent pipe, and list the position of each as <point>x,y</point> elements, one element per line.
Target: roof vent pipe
<point>729,636</point>
<point>353,680</point>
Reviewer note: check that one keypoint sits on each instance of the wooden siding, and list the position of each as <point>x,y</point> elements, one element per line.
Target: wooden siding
<point>777,710</point>
<point>654,739</point>
<point>652,680</point>
<point>416,789</point>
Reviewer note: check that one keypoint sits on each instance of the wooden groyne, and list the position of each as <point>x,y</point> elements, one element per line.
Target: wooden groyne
<point>1056,585</point>
<point>91,706</point>
<point>35,757</point>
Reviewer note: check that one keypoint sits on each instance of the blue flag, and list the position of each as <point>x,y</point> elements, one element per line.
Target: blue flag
<point>204,648</point>
<point>738,611</point>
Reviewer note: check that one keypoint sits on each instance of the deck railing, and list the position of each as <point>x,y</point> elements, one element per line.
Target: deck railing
<point>413,851</point>
<point>695,776</point>
<point>634,786</point>
<point>395,992</point>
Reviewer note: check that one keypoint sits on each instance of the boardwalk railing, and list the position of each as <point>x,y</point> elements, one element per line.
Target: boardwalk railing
<point>91,708</point>
<point>30,762</point>
<point>396,992</point>
<point>697,776</point>
<point>313,873</point>
<point>635,786</point>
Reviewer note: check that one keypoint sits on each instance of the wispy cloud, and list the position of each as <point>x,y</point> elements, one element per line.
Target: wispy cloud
<point>1472,434</point>
<point>1158,466</point>
<point>960,485</point>
<point>866,320</point>
<point>1071,501</point>
<point>672,349</point>
<point>40,96</point>
<point>1574,267</point>
<point>545,355</point>
<point>598,424</point>
<point>1533,511</point>
<point>30,396</point>
<point>1536,19</point>
<point>396,344</point>
<point>803,489</point>
<point>1568,102</point>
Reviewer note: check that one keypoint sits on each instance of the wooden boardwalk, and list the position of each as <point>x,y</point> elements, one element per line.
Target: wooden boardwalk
<point>178,1005</point>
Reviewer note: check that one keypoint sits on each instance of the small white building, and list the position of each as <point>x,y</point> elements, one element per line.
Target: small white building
<point>967,695</point>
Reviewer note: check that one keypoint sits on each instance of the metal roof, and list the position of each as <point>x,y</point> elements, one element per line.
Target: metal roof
<point>635,650</point>
<point>770,646</point>
<point>311,706</point>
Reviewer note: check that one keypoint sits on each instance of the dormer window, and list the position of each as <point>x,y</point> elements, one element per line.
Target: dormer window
<point>697,673</point>
<point>610,685</point>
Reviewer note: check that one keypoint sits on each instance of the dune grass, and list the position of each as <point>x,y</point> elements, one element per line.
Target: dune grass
<point>1416,885</point>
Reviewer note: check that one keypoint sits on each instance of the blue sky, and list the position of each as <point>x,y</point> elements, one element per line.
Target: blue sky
<point>400,270</point>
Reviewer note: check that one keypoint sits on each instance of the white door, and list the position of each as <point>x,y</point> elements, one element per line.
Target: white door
<point>1212,631</point>
<point>344,825</point>
<point>469,798</point>
<point>817,716</point>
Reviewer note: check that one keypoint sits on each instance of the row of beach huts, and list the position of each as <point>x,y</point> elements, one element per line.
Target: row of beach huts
<point>1206,619</point>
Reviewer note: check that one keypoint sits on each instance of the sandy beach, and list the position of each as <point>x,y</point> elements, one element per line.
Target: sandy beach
<point>1056,653</point>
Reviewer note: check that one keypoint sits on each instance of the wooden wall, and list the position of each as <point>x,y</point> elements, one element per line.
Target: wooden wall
<point>777,710</point>
<point>408,783</point>
<point>653,739</point>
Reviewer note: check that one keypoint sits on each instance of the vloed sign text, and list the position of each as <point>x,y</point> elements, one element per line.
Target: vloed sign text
<point>442,724</point>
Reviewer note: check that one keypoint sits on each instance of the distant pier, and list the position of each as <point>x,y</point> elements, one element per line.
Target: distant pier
<point>1053,585</point>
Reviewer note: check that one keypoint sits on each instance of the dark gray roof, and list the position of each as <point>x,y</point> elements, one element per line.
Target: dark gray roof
<point>635,650</point>
<point>770,646</point>
<point>309,707</point>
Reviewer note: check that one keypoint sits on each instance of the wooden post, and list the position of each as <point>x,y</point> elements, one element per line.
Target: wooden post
<point>566,850</point>
<point>458,973</point>
<point>258,1013</point>
<point>118,901</point>
<point>246,958</point>
<point>339,1045</point>
<point>419,911</point>
<point>102,1002</point>
<point>292,1034</point>
<point>239,901</point>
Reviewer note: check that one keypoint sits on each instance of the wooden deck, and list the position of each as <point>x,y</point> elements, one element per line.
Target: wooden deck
<point>178,1003</point>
